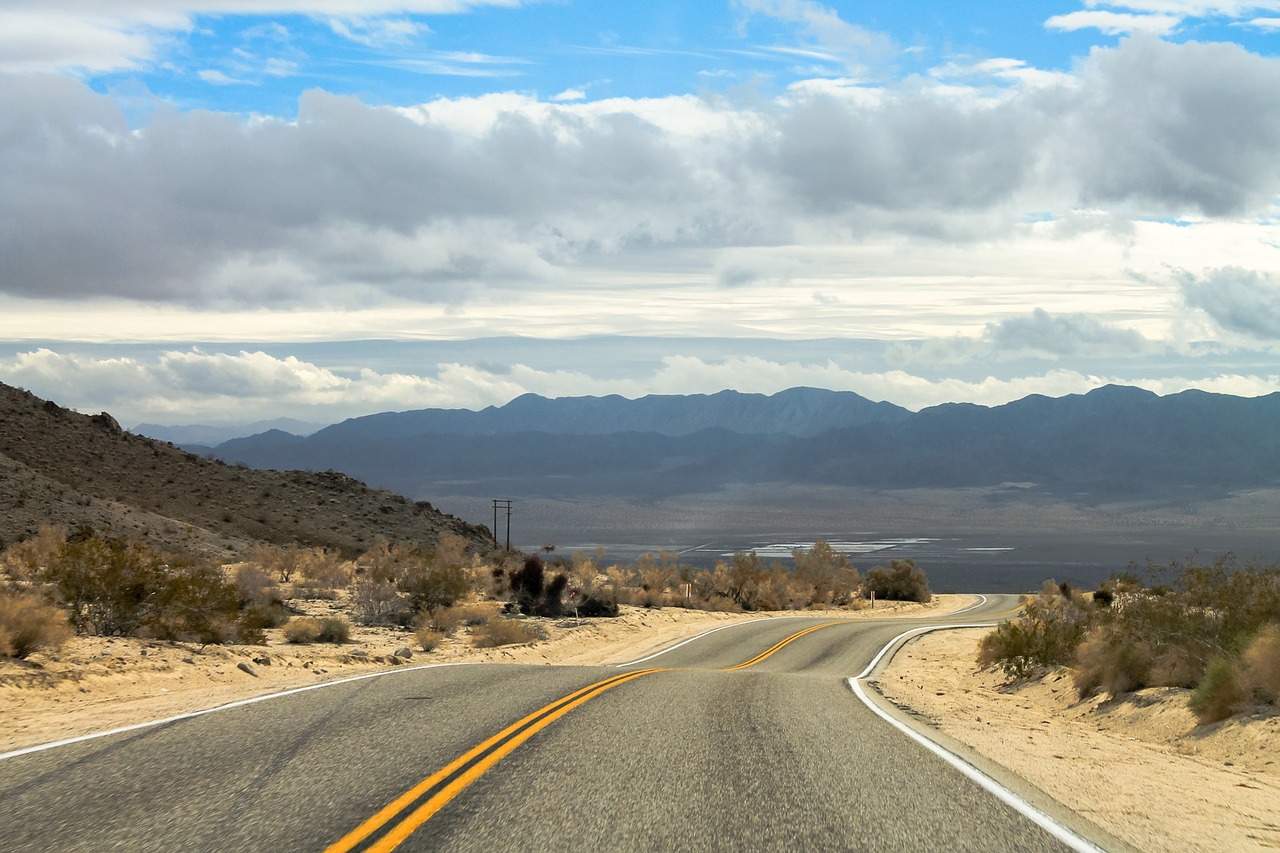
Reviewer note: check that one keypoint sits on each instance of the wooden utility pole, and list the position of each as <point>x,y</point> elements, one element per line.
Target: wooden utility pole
<point>505,503</point>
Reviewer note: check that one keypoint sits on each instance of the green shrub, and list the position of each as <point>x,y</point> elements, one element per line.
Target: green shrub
<point>111,586</point>
<point>1218,694</point>
<point>1052,626</point>
<point>334,630</point>
<point>433,584</point>
<point>29,624</point>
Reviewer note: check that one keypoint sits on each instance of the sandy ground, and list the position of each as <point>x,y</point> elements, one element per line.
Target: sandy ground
<point>95,684</point>
<point>1139,767</point>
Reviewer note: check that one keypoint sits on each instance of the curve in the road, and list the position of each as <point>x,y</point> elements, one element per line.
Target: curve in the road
<point>1059,831</point>
<point>385,831</point>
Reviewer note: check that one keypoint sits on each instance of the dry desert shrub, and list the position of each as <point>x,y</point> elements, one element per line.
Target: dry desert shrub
<point>1260,666</point>
<point>375,602</point>
<point>447,620</point>
<point>1052,626</point>
<point>23,562</point>
<point>28,624</point>
<point>1102,664</point>
<point>256,584</point>
<point>302,631</point>
<point>329,629</point>
<point>428,639</point>
<point>334,629</point>
<point>504,632</point>
<point>902,581</point>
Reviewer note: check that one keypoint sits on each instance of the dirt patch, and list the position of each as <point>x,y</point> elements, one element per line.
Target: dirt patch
<point>1140,767</point>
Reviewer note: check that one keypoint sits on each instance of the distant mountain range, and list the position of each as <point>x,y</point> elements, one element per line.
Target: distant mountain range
<point>206,435</point>
<point>1110,443</point>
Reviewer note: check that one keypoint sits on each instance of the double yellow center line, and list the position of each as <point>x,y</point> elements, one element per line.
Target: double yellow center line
<point>778,646</point>
<point>382,833</point>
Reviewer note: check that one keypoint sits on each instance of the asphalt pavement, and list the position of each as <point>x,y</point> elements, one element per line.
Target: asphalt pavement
<point>689,750</point>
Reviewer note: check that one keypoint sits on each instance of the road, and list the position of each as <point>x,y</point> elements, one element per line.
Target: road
<point>747,738</point>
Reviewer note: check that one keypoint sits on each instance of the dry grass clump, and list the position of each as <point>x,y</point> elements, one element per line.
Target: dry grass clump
<point>1260,666</point>
<point>29,624</point>
<point>448,620</point>
<point>302,631</point>
<point>329,629</point>
<point>505,632</point>
<point>427,639</point>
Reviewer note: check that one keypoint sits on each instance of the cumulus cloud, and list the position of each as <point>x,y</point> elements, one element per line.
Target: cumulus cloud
<point>1057,335</point>
<point>1036,335</point>
<point>1243,301</point>
<point>1159,126</point>
<point>353,202</point>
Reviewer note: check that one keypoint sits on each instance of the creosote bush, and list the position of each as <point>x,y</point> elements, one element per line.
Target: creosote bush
<point>1046,635</point>
<point>902,581</point>
<point>1213,628</point>
<point>334,630</point>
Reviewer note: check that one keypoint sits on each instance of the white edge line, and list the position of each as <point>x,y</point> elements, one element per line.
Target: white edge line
<point>1050,825</point>
<point>971,606</point>
<point>238,704</point>
<point>764,619</point>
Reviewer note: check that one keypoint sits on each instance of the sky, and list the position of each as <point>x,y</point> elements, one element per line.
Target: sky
<point>222,211</point>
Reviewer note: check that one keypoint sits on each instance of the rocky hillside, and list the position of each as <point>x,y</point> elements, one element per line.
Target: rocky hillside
<point>60,467</point>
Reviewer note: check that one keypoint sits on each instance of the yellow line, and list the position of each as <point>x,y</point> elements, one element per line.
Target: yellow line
<point>778,646</point>
<point>489,753</point>
<point>536,721</point>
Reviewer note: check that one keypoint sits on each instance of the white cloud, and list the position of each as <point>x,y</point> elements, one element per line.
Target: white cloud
<point>1039,335</point>
<point>455,201</point>
<point>857,48</point>
<point>215,77</point>
<point>1114,23</point>
<point>194,386</point>
<point>379,32</point>
<point>40,41</point>
<point>102,36</point>
<point>1239,300</point>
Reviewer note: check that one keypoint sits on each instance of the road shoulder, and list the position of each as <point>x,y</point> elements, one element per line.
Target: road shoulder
<point>1139,768</point>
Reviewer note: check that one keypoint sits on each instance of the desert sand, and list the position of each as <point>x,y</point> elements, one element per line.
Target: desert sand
<point>1138,766</point>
